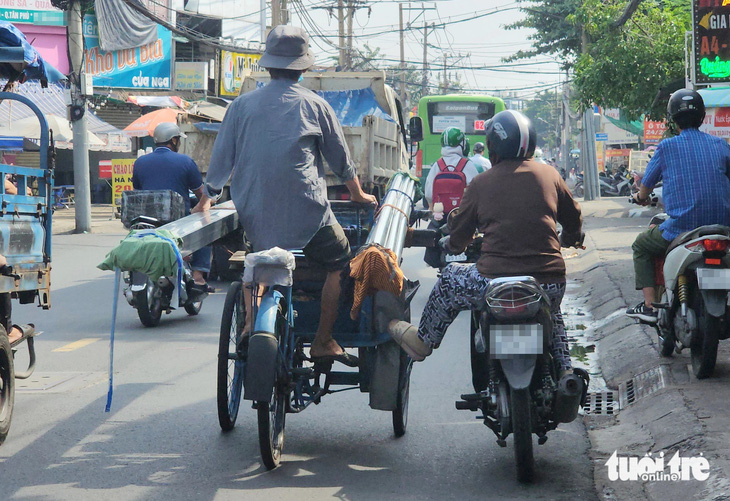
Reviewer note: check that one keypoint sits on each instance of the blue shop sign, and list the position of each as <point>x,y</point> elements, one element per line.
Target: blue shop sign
<point>145,67</point>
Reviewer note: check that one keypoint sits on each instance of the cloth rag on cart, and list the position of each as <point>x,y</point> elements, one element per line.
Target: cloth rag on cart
<point>375,268</point>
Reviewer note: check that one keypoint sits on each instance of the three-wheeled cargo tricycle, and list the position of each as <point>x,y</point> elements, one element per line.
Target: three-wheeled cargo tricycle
<point>25,245</point>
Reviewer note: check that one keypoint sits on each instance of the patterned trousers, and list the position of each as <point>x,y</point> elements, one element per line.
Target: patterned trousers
<point>461,287</point>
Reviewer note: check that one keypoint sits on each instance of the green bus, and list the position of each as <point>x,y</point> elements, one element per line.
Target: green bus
<point>468,112</point>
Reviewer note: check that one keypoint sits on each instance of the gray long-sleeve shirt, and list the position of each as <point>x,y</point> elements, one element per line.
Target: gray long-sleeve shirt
<point>272,144</point>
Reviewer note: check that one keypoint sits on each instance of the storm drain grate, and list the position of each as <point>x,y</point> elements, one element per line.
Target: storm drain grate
<point>602,403</point>
<point>610,402</point>
<point>642,385</point>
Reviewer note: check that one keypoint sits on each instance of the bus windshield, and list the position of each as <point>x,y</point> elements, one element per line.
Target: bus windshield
<point>469,117</point>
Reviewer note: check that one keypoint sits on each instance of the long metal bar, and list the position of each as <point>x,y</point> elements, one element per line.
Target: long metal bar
<point>391,225</point>
<point>203,228</point>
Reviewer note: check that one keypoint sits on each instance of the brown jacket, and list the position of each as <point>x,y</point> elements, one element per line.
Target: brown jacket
<point>516,205</point>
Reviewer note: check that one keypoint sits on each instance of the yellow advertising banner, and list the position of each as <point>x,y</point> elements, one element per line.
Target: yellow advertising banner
<point>233,68</point>
<point>122,169</point>
<point>600,156</point>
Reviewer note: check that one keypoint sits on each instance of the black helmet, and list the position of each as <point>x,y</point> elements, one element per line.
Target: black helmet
<point>479,148</point>
<point>686,108</point>
<point>510,134</point>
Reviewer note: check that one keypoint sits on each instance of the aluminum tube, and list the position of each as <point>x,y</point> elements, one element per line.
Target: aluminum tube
<point>380,227</point>
<point>402,226</point>
<point>393,199</point>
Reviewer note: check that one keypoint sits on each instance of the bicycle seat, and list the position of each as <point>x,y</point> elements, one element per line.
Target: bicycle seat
<point>270,267</point>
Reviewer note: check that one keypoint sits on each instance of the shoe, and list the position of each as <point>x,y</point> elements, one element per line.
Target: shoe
<point>343,358</point>
<point>406,335</point>
<point>642,312</point>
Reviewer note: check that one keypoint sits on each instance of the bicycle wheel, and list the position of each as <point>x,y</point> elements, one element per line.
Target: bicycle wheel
<point>272,414</point>
<point>7,385</point>
<point>231,357</point>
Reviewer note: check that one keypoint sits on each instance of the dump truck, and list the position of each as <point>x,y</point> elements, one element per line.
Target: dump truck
<point>368,109</point>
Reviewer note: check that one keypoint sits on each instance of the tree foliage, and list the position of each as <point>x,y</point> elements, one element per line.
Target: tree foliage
<point>544,111</point>
<point>554,33</point>
<point>613,66</point>
<point>625,67</point>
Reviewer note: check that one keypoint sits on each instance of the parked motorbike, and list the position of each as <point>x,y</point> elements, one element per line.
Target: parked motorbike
<point>693,282</point>
<point>151,298</point>
<point>618,184</point>
<point>517,384</point>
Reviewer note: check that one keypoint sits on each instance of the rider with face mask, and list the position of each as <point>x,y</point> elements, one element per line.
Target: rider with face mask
<point>516,205</point>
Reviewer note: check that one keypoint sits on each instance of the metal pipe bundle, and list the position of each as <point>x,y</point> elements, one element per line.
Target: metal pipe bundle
<point>391,225</point>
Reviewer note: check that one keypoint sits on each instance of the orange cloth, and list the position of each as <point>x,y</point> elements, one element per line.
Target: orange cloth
<point>374,269</point>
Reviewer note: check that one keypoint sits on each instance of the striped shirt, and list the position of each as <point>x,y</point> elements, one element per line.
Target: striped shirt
<point>695,167</point>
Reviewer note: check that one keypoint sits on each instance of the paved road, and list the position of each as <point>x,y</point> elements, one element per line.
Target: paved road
<point>162,440</point>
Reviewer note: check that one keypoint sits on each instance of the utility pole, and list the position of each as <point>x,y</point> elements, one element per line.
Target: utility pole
<point>341,31</point>
<point>565,140</point>
<point>424,78</point>
<point>82,188</point>
<point>403,94</point>
<point>350,15</point>
<point>446,82</point>
<point>275,13</point>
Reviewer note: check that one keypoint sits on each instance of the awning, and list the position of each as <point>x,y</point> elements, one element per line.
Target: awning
<point>159,101</point>
<point>51,101</point>
<point>717,97</point>
<point>207,110</point>
<point>11,143</point>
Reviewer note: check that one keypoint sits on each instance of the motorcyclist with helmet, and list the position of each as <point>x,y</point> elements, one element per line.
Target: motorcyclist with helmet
<point>483,164</point>
<point>694,167</point>
<point>516,205</point>
<point>454,149</point>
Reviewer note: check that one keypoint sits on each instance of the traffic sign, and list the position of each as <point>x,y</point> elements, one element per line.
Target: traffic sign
<point>601,136</point>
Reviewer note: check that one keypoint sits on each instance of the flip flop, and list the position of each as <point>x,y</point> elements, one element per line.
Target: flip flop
<point>343,358</point>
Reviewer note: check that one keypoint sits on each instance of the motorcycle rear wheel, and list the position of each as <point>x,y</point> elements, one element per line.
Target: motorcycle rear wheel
<point>704,344</point>
<point>149,304</point>
<point>521,408</point>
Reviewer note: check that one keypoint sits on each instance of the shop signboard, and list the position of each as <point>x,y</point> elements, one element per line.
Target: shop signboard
<point>233,69</point>
<point>191,76</point>
<point>145,67</point>
<point>654,131</point>
<point>717,122</point>
<point>122,169</point>
<point>36,12</point>
<point>711,36</point>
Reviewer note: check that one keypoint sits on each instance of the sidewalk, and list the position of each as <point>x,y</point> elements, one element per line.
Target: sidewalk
<point>102,220</point>
<point>667,409</point>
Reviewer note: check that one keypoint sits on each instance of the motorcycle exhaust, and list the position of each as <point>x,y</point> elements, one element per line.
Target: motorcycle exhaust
<point>567,398</point>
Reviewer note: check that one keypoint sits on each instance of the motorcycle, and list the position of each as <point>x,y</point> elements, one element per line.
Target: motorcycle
<point>151,298</point>
<point>693,282</point>
<point>618,184</point>
<point>517,384</point>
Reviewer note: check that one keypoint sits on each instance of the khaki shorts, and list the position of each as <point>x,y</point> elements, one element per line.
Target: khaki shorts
<point>329,248</point>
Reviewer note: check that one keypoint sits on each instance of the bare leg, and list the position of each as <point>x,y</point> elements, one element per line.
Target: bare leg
<point>198,277</point>
<point>247,296</point>
<point>649,296</point>
<point>323,343</point>
<point>14,334</point>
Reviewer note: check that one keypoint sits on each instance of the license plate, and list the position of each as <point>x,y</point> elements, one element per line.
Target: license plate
<point>455,258</point>
<point>507,341</point>
<point>713,278</point>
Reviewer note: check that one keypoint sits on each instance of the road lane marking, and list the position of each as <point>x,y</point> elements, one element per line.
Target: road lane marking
<point>78,344</point>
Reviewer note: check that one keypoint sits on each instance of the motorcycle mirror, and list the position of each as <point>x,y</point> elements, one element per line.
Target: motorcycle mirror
<point>415,128</point>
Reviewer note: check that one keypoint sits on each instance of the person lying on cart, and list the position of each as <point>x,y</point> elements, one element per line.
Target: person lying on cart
<point>271,145</point>
<point>516,205</point>
<point>14,332</point>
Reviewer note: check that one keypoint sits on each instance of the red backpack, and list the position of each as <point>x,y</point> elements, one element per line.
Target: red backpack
<point>449,186</point>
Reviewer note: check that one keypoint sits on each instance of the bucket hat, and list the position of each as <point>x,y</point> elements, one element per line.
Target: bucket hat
<point>287,48</point>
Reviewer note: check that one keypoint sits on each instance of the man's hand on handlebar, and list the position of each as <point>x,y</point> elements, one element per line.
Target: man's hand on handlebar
<point>636,198</point>
<point>573,240</point>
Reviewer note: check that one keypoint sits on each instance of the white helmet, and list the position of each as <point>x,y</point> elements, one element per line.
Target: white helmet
<point>166,131</point>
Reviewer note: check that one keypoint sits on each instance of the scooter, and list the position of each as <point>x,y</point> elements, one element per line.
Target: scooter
<point>618,184</point>
<point>694,282</point>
